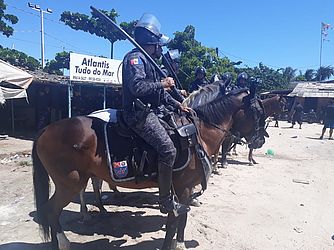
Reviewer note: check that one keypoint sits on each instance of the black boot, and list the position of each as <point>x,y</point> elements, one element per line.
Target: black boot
<point>166,199</point>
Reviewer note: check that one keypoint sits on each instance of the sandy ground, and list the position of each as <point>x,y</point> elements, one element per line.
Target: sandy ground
<point>247,207</point>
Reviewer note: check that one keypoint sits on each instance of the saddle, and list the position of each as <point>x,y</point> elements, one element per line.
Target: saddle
<point>129,156</point>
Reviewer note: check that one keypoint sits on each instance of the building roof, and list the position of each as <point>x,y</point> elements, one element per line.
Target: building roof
<point>313,89</point>
<point>13,82</point>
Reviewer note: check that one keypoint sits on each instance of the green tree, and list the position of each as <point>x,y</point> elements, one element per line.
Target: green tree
<point>184,41</point>
<point>309,74</point>
<point>193,54</point>
<point>18,58</point>
<point>5,28</point>
<point>95,25</point>
<point>324,73</point>
<point>270,79</point>
<point>300,77</point>
<point>61,61</point>
<point>289,74</point>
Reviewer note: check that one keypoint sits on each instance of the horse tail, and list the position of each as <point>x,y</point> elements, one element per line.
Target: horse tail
<point>41,190</point>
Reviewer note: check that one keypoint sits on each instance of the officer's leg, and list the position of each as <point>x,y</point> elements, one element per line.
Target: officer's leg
<point>155,135</point>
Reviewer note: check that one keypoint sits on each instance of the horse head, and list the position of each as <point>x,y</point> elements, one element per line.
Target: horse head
<point>215,110</point>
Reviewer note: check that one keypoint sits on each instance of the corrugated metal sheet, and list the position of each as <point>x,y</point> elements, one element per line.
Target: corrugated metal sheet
<point>313,89</point>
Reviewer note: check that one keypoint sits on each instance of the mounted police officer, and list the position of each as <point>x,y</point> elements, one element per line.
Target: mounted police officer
<point>253,106</point>
<point>171,62</point>
<point>227,79</point>
<point>200,81</point>
<point>142,84</point>
<point>242,80</point>
<point>258,113</point>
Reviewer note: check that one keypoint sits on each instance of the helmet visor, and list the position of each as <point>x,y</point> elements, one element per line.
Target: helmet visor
<point>164,40</point>
<point>174,54</point>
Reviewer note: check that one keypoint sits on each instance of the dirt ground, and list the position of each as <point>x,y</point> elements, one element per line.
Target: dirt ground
<point>284,202</point>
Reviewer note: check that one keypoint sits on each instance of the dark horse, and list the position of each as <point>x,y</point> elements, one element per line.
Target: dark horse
<point>70,152</point>
<point>244,124</point>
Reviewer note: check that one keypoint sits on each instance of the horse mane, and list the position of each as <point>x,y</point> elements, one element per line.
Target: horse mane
<point>210,104</point>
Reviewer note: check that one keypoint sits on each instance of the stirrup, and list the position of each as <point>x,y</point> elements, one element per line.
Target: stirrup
<point>169,205</point>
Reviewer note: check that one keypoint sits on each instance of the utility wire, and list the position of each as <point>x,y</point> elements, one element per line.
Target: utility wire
<point>73,46</point>
<point>55,21</point>
<point>26,41</point>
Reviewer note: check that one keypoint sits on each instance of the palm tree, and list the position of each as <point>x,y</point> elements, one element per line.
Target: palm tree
<point>309,74</point>
<point>289,74</point>
<point>324,73</point>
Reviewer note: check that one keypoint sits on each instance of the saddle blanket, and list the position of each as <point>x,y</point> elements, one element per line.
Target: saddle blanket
<point>106,115</point>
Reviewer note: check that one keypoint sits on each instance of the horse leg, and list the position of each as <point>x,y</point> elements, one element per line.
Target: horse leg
<point>215,169</point>
<point>182,221</point>
<point>180,232</point>
<point>172,223</point>
<point>53,210</point>
<point>250,157</point>
<point>83,208</point>
<point>61,198</point>
<point>97,186</point>
<point>224,152</point>
<point>234,152</point>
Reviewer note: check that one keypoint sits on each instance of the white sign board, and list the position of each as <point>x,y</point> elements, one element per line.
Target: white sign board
<point>84,68</point>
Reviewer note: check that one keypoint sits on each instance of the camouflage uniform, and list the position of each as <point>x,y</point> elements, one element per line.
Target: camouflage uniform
<point>141,81</point>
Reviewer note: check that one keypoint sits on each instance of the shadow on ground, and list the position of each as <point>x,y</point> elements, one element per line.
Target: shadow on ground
<point>100,244</point>
<point>139,199</point>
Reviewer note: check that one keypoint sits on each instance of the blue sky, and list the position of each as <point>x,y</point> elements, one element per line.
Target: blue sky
<point>278,33</point>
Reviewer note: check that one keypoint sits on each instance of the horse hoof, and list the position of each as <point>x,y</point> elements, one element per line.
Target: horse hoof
<point>195,203</point>
<point>180,246</point>
<point>224,165</point>
<point>216,172</point>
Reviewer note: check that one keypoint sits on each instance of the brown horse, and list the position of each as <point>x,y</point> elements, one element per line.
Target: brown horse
<point>97,187</point>
<point>244,124</point>
<point>70,151</point>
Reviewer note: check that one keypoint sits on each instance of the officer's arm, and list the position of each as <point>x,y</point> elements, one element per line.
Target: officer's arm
<point>167,99</point>
<point>138,85</point>
<point>176,94</point>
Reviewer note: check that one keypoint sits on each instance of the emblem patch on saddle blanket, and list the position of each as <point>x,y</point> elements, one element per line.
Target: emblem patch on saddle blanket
<point>120,169</point>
